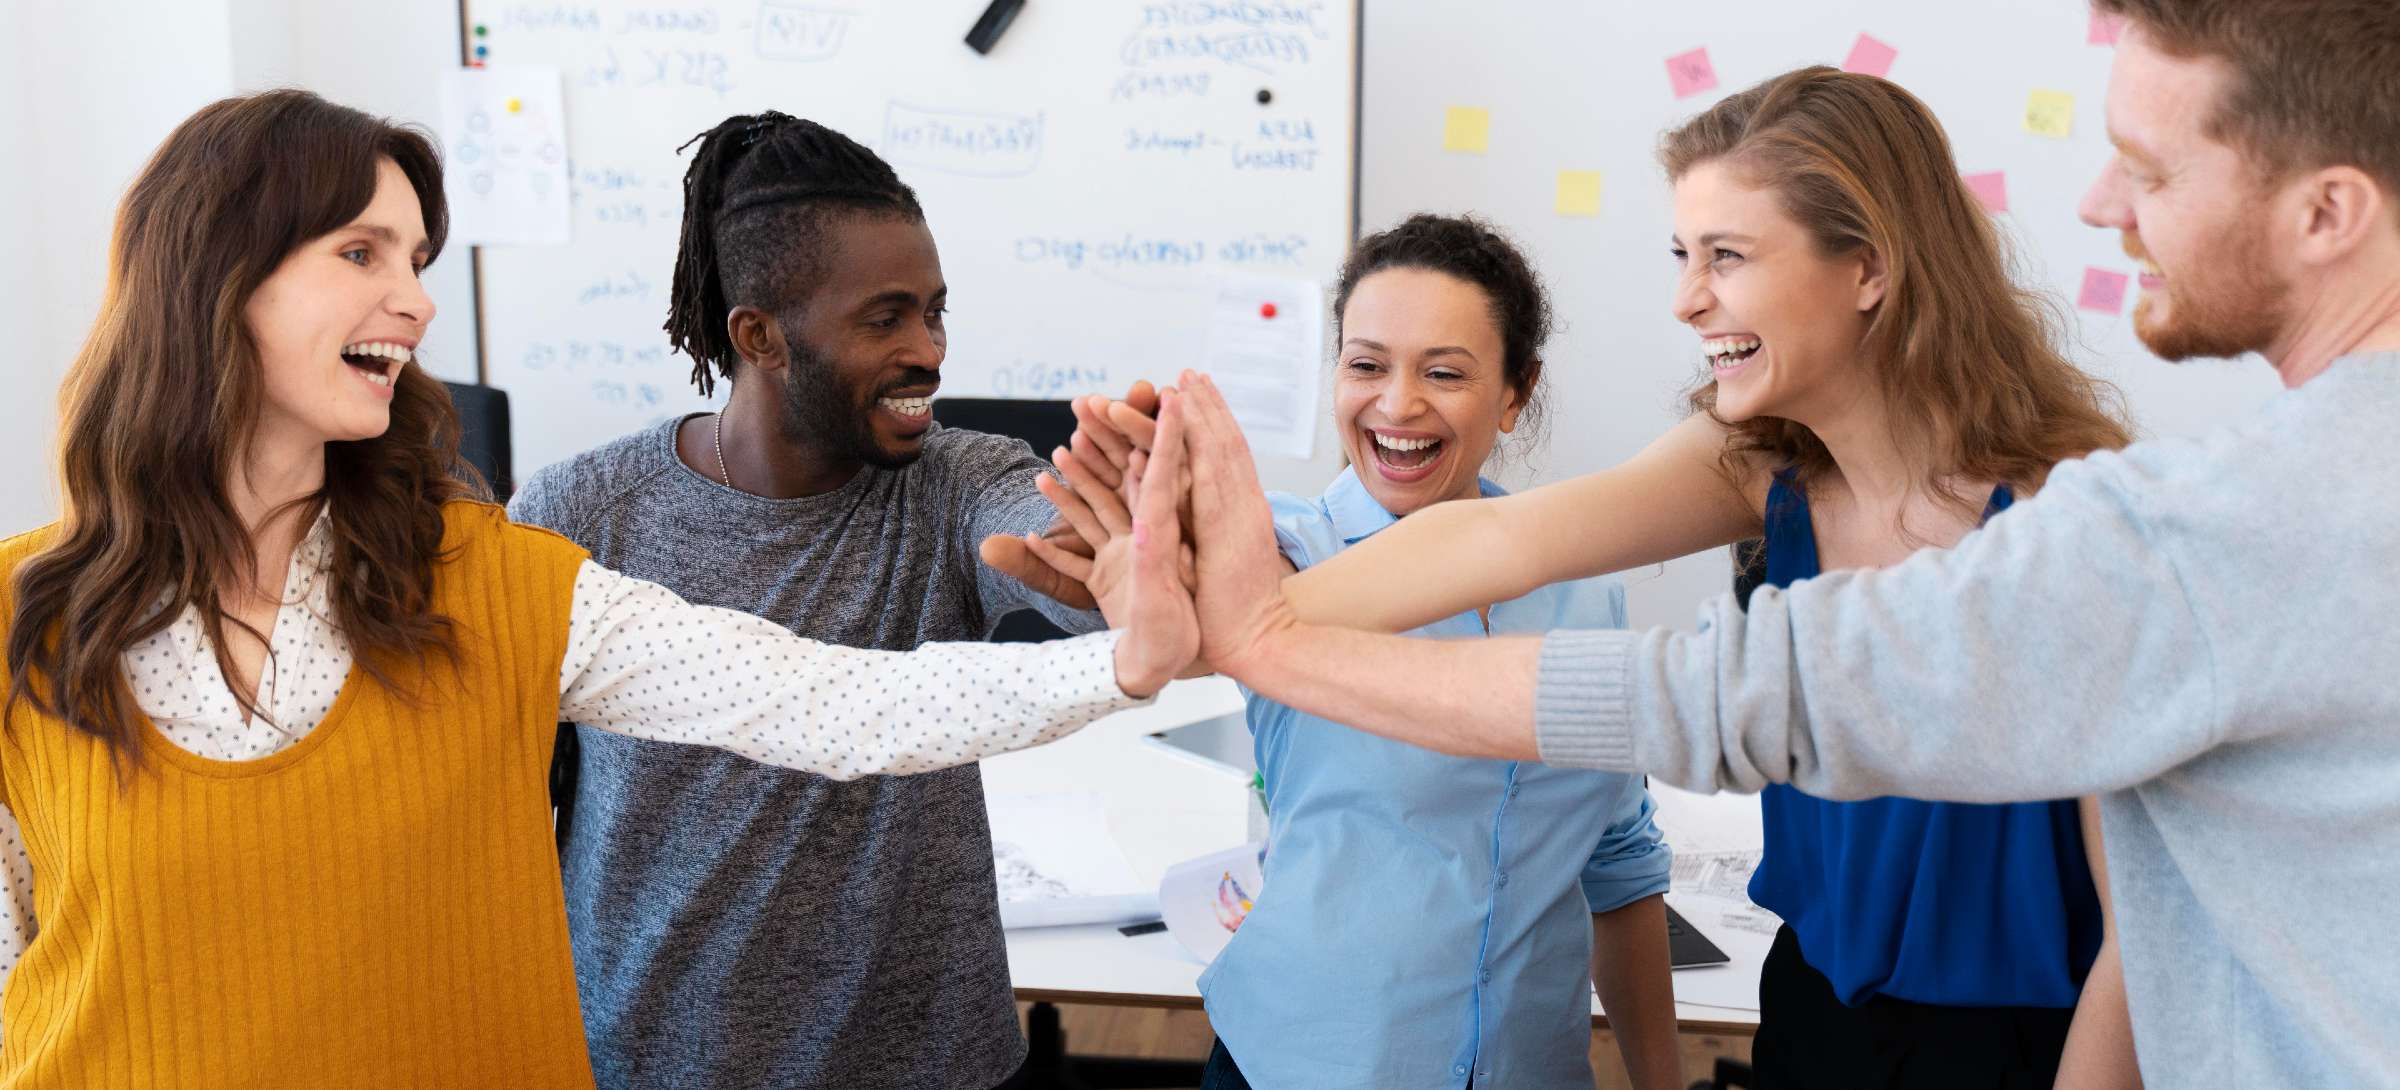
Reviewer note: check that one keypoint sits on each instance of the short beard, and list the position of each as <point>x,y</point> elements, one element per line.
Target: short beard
<point>819,413</point>
<point>2234,307</point>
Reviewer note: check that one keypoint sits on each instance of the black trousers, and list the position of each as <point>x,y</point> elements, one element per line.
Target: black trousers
<point>1221,1074</point>
<point>1809,1040</point>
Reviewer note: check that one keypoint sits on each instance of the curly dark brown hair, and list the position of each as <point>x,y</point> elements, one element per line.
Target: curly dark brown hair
<point>1475,252</point>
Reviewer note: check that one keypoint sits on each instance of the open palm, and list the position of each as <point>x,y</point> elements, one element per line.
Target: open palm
<point>1162,630</point>
<point>1239,596</point>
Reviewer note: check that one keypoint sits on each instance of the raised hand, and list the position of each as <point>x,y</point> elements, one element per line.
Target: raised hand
<point>1239,597</point>
<point>1011,556</point>
<point>1108,432</point>
<point>1162,633</point>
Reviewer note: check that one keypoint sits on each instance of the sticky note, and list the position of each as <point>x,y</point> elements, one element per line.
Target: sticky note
<point>2051,114</point>
<point>1990,187</point>
<point>2105,29</point>
<point>1578,193</point>
<point>2103,291</point>
<point>1870,57</point>
<point>1690,73</point>
<point>1467,128</point>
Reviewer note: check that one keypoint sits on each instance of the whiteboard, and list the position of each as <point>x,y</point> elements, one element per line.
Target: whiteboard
<point>1089,182</point>
<point>1577,85</point>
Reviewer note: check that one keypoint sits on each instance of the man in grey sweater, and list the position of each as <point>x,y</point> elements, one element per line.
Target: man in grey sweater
<point>737,924</point>
<point>2200,630</point>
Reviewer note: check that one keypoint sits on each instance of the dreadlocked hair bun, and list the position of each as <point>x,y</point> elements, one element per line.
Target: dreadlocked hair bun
<point>755,199</point>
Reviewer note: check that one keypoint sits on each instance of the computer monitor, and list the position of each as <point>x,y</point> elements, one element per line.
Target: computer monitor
<point>1043,425</point>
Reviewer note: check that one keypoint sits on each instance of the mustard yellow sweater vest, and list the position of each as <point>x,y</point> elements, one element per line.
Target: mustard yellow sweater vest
<point>376,906</point>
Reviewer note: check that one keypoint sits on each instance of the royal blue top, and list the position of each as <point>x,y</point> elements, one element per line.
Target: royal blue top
<point>1426,919</point>
<point>1933,902</point>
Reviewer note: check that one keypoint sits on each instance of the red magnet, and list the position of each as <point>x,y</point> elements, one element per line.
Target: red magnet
<point>1266,310</point>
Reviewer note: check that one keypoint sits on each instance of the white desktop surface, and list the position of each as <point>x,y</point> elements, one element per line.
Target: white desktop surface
<point>1165,807</point>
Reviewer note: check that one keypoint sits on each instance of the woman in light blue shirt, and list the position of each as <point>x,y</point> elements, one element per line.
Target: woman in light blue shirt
<point>1430,921</point>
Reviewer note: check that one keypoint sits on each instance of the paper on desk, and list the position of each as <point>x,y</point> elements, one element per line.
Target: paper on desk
<point>1058,865</point>
<point>504,134</point>
<point>1717,843</point>
<point>1205,900</point>
<point>1266,342</point>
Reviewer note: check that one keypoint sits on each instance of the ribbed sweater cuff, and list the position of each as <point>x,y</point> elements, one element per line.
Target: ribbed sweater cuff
<point>1581,705</point>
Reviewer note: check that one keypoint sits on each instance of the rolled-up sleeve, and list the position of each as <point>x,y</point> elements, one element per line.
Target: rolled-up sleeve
<point>1632,860</point>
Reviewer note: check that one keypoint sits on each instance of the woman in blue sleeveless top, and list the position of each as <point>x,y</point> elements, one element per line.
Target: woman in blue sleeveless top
<point>1890,906</point>
<point>1873,383</point>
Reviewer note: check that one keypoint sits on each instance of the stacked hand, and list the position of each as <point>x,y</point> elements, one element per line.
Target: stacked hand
<point>1015,555</point>
<point>1144,592</point>
<point>1185,487</point>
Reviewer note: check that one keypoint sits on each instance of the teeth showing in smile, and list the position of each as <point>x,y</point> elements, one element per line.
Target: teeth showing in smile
<point>367,357</point>
<point>1725,350</point>
<point>1405,454</point>
<point>907,406</point>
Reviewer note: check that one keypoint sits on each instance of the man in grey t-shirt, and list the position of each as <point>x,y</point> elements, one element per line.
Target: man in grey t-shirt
<point>737,924</point>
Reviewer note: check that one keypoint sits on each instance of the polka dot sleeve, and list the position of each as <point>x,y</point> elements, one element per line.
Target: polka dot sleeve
<point>643,662</point>
<point>16,894</point>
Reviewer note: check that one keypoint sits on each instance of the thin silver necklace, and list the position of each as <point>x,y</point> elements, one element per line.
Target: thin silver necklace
<point>722,472</point>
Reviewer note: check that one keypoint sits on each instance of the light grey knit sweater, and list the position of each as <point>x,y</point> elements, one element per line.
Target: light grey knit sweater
<point>2207,631</point>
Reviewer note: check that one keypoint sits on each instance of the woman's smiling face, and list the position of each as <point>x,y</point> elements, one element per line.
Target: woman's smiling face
<point>1421,395</point>
<point>339,318</point>
<point>1779,323</point>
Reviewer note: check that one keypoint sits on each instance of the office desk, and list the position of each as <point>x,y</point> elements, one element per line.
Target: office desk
<point>1165,807</point>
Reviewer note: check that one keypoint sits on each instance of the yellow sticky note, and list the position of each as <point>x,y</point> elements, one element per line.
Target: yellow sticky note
<point>1579,192</point>
<point>1467,128</point>
<point>2051,114</point>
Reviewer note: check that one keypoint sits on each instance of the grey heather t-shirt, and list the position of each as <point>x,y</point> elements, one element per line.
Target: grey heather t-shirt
<point>741,925</point>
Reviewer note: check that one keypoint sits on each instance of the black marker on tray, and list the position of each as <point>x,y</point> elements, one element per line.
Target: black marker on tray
<point>995,20</point>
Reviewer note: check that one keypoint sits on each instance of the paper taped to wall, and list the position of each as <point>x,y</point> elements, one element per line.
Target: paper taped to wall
<point>504,143</point>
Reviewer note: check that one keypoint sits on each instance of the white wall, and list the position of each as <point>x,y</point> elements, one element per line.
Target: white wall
<point>87,91</point>
<point>34,365</point>
<point>91,88</point>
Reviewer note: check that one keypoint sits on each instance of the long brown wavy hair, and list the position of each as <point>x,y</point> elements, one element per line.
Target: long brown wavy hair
<point>1968,362</point>
<point>159,407</point>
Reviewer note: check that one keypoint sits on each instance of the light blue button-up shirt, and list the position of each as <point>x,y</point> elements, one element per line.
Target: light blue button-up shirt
<point>1425,918</point>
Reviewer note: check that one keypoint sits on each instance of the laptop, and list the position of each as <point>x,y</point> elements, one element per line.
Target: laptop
<point>1687,948</point>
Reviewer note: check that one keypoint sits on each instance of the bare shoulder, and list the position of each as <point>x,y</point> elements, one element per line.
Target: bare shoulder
<point>1700,440</point>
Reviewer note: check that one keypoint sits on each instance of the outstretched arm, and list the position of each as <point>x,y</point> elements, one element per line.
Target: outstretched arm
<point>1671,499</point>
<point>1961,674</point>
<point>644,662</point>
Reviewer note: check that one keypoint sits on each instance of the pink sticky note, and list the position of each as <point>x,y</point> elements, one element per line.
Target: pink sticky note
<point>1990,187</point>
<point>1870,57</point>
<point>1691,73</point>
<point>2103,291</point>
<point>2105,28</point>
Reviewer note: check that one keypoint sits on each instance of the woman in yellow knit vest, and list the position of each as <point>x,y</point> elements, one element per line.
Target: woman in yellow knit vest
<point>280,697</point>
